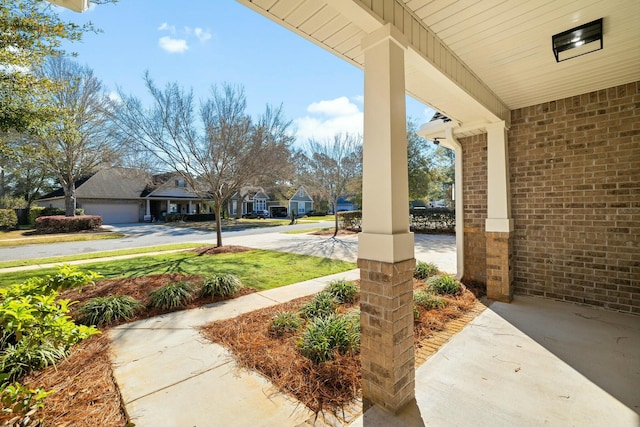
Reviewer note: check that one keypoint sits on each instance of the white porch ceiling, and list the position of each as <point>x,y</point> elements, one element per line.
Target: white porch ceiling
<point>490,55</point>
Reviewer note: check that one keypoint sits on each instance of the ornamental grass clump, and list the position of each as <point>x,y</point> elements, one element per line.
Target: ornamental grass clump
<point>284,322</point>
<point>173,295</point>
<point>444,285</point>
<point>322,305</point>
<point>220,285</point>
<point>428,300</point>
<point>342,290</point>
<point>107,310</point>
<point>424,270</point>
<point>326,336</point>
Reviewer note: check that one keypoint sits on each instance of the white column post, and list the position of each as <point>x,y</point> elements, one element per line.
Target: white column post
<point>148,209</point>
<point>498,188</point>
<point>189,211</point>
<point>385,186</point>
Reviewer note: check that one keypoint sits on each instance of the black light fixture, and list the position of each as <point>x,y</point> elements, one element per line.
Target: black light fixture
<point>436,141</point>
<point>578,41</point>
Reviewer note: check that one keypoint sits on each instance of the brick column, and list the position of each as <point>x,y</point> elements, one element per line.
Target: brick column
<point>499,262</point>
<point>386,349</point>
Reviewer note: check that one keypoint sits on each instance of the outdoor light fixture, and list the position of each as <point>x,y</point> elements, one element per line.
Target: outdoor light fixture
<point>436,141</point>
<point>578,41</point>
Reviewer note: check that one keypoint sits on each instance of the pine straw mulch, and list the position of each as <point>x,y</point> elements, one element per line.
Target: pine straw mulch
<point>321,387</point>
<point>87,395</point>
<point>212,250</point>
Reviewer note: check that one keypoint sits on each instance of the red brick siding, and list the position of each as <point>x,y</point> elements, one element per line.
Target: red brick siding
<point>474,164</point>
<point>575,185</point>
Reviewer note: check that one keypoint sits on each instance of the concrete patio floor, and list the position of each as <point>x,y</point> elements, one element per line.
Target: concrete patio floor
<point>533,362</point>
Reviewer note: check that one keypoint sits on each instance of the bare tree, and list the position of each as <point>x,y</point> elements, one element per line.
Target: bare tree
<point>80,141</point>
<point>329,168</point>
<point>216,151</point>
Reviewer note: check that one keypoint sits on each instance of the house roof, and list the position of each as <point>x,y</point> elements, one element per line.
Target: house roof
<point>111,183</point>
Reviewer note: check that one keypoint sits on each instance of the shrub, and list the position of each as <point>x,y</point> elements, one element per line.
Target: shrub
<point>342,290</point>
<point>424,270</point>
<point>444,285</point>
<point>428,300</point>
<point>34,213</point>
<point>8,219</point>
<point>222,285</point>
<point>322,305</point>
<point>284,322</point>
<point>64,224</point>
<point>106,310</point>
<point>351,220</point>
<point>18,399</point>
<point>35,328</point>
<point>173,295</point>
<point>325,336</point>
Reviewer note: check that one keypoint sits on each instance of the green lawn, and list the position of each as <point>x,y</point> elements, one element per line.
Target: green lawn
<point>259,269</point>
<point>92,255</point>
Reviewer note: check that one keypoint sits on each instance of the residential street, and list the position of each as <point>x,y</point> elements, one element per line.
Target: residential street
<point>140,235</point>
<point>439,249</point>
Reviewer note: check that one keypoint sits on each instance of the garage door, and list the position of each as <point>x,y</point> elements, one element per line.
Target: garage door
<point>113,213</point>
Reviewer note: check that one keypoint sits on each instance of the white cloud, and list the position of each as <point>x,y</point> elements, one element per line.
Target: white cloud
<point>202,35</point>
<point>172,45</point>
<point>178,42</point>
<point>330,117</point>
<point>166,27</point>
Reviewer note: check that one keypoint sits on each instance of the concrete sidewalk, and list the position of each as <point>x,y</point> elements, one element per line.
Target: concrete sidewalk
<point>169,375</point>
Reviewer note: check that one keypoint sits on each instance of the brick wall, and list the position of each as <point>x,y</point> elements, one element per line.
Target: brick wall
<point>474,154</point>
<point>575,183</point>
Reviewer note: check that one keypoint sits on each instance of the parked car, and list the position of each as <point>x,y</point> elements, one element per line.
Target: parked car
<point>263,214</point>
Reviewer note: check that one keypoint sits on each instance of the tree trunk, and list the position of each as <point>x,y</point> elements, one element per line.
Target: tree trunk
<point>70,200</point>
<point>216,209</point>
<point>335,215</point>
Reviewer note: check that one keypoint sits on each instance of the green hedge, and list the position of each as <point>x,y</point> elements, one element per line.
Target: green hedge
<point>8,219</point>
<point>64,224</point>
<point>435,220</point>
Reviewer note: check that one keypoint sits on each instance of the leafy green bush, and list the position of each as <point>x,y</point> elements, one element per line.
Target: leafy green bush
<point>342,290</point>
<point>322,305</point>
<point>424,270</point>
<point>324,336</point>
<point>36,329</point>
<point>284,322</point>
<point>106,310</point>
<point>18,399</point>
<point>222,285</point>
<point>35,212</point>
<point>8,219</point>
<point>173,295</point>
<point>428,300</point>
<point>444,285</point>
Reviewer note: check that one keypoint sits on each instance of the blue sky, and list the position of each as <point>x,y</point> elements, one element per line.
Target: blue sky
<point>198,43</point>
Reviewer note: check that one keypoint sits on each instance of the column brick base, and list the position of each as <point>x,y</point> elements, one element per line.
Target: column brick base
<point>499,266</point>
<point>386,344</point>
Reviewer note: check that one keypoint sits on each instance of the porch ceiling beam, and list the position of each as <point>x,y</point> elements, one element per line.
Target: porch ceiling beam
<point>440,70</point>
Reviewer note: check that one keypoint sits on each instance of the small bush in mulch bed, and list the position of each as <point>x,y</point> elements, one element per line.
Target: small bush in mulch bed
<point>342,290</point>
<point>322,305</point>
<point>101,311</point>
<point>284,322</point>
<point>173,295</point>
<point>428,300</point>
<point>444,285</point>
<point>220,285</point>
<point>424,270</point>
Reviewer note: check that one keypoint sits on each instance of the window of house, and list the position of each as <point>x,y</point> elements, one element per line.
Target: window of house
<point>179,182</point>
<point>260,204</point>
